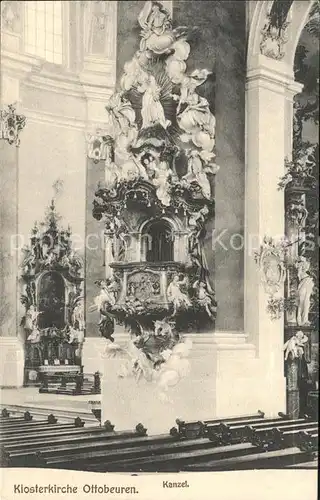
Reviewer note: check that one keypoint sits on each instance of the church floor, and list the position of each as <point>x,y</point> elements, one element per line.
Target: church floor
<point>29,397</point>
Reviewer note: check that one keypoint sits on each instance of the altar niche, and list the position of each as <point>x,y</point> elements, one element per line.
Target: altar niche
<point>52,298</point>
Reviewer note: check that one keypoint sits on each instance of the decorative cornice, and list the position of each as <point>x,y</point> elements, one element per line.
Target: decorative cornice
<point>275,76</point>
<point>11,125</point>
<point>40,116</point>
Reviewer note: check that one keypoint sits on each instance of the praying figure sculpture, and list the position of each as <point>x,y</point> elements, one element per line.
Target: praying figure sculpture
<point>305,288</point>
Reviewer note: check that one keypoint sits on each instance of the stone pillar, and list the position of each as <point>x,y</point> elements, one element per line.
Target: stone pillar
<point>98,77</point>
<point>94,256</point>
<point>268,116</point>
<point>11,346</point>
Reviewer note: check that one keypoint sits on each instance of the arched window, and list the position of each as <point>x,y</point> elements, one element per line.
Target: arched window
<point>43,30</point>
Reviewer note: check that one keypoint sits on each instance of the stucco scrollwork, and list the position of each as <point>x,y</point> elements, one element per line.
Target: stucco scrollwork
<point>273,39</point>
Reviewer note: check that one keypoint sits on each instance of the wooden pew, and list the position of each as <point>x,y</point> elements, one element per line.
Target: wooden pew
<point>279,436</point>
<point>169,461</point>
<point>200,428</point>
<point>308,440</point>
<point>7,433</point>
<point>24,456</point>
<point>235,432</point>
<point>21,423</point>
<point>264,460</point>
<point>292,437</point>
<point>7,421</point>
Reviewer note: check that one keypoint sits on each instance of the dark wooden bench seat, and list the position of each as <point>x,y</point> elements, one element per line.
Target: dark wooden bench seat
<point>110,450</point>
<point>279,436</point>
<point>263,460</point>
<point>234,432</point>
<point>111,440</point>
<point>192,429</point>
<point>170,462</point>
<point>50,435</point>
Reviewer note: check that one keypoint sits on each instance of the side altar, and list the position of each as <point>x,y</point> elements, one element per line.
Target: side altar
<point>53,323</point>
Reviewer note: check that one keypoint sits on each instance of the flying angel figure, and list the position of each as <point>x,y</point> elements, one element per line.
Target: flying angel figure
<point>135,363</point>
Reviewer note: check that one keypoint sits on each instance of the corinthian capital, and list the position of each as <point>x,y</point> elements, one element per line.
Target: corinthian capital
<point>11,125</point>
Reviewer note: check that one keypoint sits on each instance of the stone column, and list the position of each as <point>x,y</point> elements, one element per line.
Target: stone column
<point>98,76</point>
<point>11,346</point>
<point>94,254</point>
<point>270,86</point>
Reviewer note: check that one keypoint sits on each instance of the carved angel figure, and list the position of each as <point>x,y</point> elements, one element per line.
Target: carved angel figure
<point>198,123</point>
<point>179,299</point>
<point>157,34</point>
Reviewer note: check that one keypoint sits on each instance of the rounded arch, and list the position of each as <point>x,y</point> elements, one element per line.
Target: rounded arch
<point>297,17</point>
<point>157,240</point>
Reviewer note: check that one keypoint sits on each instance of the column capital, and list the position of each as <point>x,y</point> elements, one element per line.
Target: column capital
<point>11,125</point>
<point>273,75</point>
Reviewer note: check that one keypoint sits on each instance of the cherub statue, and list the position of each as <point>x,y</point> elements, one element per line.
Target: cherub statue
<point>205,299</point>
<point>179,299</point>
<point>152,110</point>
<point>294,347</point>
<point>305,288</point>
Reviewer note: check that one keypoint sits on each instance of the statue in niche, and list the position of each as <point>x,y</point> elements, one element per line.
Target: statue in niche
<point>176,297</point>
<point>152,110</point>
<point>305,288</point>
<point>205,298</point>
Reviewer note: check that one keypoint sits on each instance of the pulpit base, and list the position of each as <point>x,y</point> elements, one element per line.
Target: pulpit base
<point>226,378</point>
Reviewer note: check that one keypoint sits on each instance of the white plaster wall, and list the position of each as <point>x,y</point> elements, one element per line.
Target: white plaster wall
<point>49,151</point>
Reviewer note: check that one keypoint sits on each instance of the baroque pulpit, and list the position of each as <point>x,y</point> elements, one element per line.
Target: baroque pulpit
<point>154,204</point>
